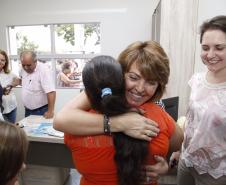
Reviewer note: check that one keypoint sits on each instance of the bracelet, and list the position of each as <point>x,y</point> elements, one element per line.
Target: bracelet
<point>107,128</point>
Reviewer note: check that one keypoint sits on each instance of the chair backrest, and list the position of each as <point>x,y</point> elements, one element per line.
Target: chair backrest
<point>171,106</point>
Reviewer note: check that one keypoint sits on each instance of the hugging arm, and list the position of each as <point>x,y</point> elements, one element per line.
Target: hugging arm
<point>175,146</point>
<point>74,119</point>
<point>176,139</point>
<point>161,166</point>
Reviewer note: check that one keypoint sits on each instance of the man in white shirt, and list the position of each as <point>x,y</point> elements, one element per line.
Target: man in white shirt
<point>38,89</point>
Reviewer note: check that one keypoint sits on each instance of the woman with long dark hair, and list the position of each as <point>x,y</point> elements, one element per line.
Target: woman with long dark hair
<point>104,85</point>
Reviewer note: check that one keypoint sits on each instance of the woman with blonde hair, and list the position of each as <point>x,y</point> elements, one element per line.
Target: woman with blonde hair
<point>13,150</point>
<point>7,81</point>
<point>145,71</point>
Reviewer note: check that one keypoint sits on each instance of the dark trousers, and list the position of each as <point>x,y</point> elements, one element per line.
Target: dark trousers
<point>39,111</point>
<point>11,116</point>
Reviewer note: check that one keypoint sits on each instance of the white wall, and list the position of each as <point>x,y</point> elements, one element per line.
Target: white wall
<point>178,35</point>
<point>207,9</point>
<point>122,22</point>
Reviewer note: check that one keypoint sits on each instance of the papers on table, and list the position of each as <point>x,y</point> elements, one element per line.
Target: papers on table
<point>39,126</point>
<point>47,128</point>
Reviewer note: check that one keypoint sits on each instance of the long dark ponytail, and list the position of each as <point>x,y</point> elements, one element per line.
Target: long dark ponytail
<point>130,153</point>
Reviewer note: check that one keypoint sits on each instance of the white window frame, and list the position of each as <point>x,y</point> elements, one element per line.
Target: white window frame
<point>53,56</point>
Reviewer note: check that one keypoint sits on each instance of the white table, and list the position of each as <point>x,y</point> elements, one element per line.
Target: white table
<point>45,149</point>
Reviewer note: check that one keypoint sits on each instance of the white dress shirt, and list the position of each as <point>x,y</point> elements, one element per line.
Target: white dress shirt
<point>36,85</point>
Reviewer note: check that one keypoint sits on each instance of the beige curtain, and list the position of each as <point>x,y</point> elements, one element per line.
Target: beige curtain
<point>178,38</point>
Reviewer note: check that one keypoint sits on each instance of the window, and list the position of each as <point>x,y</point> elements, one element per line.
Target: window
<point>57,45</point>
<point>68,72</point>
<point>37,38</point>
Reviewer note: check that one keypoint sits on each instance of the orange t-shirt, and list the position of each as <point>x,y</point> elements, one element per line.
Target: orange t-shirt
<point>93,156</point>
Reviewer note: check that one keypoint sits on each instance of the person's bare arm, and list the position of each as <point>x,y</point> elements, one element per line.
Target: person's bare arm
<point>176,139</point>
<point>74,119</point>
<point>160,168</point>
<point>174,158</point>
<point>67,80</point>
<point>51,97</point>
<point>16,81</point>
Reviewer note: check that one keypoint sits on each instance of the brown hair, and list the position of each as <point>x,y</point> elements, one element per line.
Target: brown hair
<point>6,67</point>
<point>66,65</point>
<point>152,62</point>
<point>216,23</point>
<point>13,149</point>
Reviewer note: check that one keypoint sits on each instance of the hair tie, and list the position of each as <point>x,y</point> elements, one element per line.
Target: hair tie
<point>106,91</point>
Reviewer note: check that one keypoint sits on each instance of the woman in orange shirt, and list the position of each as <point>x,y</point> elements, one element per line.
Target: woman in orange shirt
<point>146,70</point>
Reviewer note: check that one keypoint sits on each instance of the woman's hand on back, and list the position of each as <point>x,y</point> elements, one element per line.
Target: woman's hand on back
<point>135,125</point>
<point>152,172</point>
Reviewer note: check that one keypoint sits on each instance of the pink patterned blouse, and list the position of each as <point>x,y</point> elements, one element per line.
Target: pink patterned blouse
<point>204,146</point>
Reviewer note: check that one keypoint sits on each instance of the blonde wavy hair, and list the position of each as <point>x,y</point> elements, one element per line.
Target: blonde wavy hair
<point>152,62</point>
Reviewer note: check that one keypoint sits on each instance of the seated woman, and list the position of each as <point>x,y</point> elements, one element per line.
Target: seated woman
<point>64,77</point>
<point>146,77</point>
<point>13,150</point>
